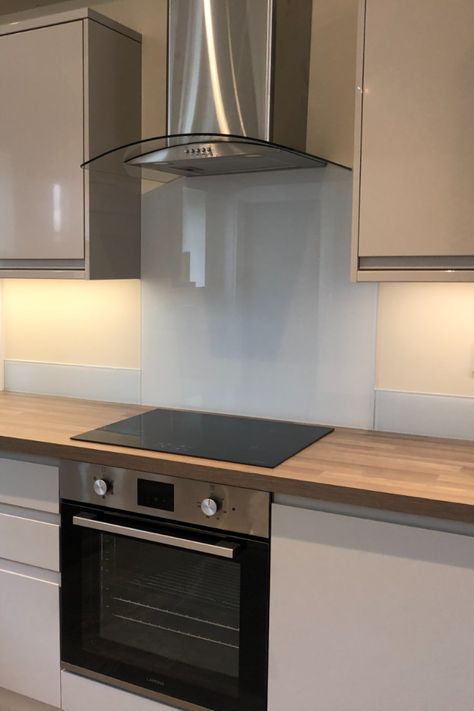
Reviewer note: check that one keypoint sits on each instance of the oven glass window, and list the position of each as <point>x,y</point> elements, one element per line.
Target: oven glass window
<point>169,603</point>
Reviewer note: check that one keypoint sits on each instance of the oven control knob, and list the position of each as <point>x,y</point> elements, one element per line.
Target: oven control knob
<point>101,487</point>
<point>209,507</point>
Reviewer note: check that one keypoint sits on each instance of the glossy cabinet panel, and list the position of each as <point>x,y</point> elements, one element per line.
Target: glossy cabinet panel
<point>113,118</point>
<point>29,541</point>
<point>383,619</point>
<point>71,88</point>
<point>41,119</point>
<point>29,585</point>
<point>29,636</point>
<point>414,163</point>
<point>29,484</point>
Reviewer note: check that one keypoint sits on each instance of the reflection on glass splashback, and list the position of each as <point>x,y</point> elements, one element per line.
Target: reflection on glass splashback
<point>247,303</point>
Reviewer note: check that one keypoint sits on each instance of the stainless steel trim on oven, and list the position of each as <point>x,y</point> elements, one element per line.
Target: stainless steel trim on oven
<point>240,510</point>
<point>223,550</point>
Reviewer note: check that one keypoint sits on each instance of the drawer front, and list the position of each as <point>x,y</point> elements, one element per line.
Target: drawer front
<point>29,637</point>
<point>29,484</point>
<point>81,694</point>
<point>30,542</point>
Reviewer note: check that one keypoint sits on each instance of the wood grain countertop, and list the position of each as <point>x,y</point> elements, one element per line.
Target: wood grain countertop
<point>417,475</point>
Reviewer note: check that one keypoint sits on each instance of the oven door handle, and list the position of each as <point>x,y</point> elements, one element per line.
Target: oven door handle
<point>221,549</point>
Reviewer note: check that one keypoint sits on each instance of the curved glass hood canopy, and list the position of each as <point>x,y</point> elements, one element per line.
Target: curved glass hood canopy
<point>196,154</point>
<point>237,100</point>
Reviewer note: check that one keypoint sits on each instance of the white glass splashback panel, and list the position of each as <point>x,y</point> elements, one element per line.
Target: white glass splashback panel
<point>247,304</point>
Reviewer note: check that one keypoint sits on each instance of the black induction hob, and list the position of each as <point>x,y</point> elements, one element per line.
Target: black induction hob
<point>243,440</point>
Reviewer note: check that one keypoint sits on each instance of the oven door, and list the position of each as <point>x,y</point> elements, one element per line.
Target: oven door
<point>173,612</point>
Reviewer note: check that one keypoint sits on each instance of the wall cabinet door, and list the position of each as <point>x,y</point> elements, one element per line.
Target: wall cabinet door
<point>71,89</point>
<point>29,634</point>
<point>41,120</point>
<point>367,615</point>
<point>414,212</point>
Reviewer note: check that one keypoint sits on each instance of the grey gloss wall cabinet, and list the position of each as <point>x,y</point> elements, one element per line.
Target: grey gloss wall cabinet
<point>70,87</point>
<point>414,167</point>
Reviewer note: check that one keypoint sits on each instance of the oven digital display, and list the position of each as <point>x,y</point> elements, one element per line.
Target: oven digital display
<point>155,495</point>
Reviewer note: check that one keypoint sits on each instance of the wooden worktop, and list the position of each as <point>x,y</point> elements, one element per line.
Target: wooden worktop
<point>418,475</point>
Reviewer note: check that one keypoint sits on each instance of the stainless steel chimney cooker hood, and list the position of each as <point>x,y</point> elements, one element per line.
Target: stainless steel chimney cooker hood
<point>238,77</point>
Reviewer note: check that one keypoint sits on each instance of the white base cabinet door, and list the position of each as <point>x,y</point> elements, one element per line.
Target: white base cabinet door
<point>369,616</point>
<point>81,694</point>
<point>29,635</point>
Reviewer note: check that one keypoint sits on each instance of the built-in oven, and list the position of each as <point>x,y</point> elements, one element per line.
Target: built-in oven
<point>165,586</point>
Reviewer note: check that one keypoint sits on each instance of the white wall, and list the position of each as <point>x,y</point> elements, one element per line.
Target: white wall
<point>426,338</point>
<point>246,302</point>
<point>70,322</point>
<point>72,338</point>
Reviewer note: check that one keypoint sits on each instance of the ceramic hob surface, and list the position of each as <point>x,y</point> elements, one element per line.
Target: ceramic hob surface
<point>242,440</point>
